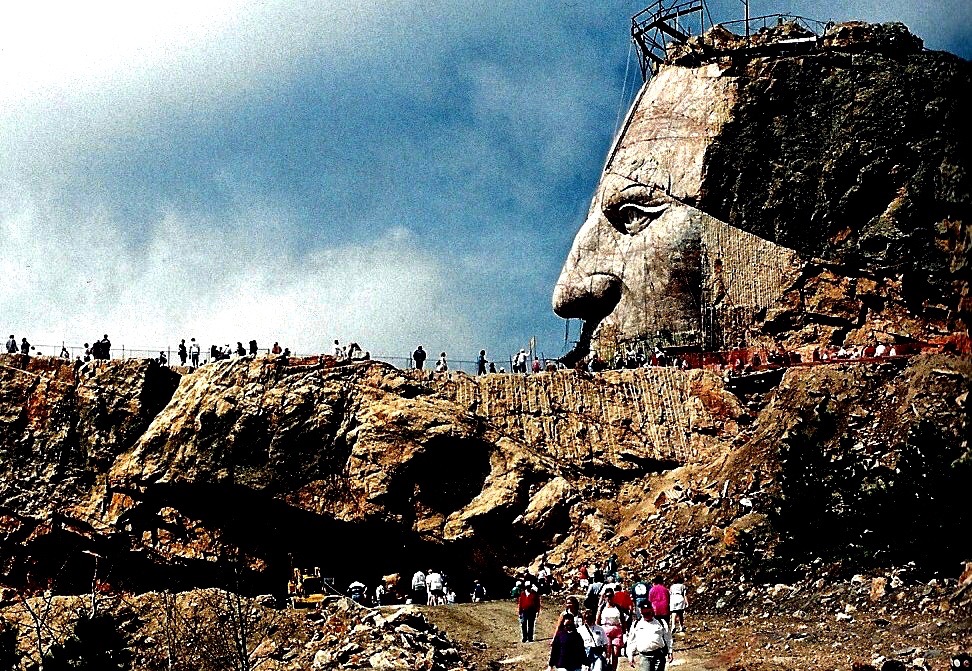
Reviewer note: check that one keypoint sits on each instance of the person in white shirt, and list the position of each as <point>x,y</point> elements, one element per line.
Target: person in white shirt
<point>441,366</point>
<point>434,584</point>
<point>595,642</point>
<point>420,594</point>
<point>679,601</point>
<point>194,353</point>
<point>651,640</point>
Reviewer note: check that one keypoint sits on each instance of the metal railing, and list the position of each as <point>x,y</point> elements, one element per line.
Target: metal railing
<point>124,351</point>
<point>756,23</point>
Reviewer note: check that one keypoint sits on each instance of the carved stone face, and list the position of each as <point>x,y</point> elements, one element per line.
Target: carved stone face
<point>647,265</point>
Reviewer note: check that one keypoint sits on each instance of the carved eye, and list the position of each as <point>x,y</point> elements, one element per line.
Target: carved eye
<point>632,217</point>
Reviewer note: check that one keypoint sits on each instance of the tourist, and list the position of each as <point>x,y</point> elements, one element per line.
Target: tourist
<point>163,360</point>
<point>651,641</point>
<point>678,603</point>
<point>623,600</point>
<point>528,607</point>
<point>492,366</point>
<point>612,619</point>
<point>442,366</point>
<point>381,594</point>
<point>639,594</point>
<point>24,347</point>
<point>354,349</point>
<point>64,352</point>
<point>87,353</point>
<point>595,642</point>
<point>481,363</point>
<point>659,597</point>
<point>194,350</point>
<point>536,365</point>
<point>611,568</point>
<point>183,352</point>
<point>478,592</point>
<point>240,350</point>
<point>253,347</point>
<point>519,361</point>
<point>419,356</point>
<point>593,597</point>
<point>419,592</point>
<point>517,588</point>
<point>583,577</point>
<point>338,351</point>
<point>571,611</point>
<point>12,345</point>
<point>357,590</point>
<point>434,584</point>
<point>567,648</point>
<point>105,347</point>
<point>276,349</point>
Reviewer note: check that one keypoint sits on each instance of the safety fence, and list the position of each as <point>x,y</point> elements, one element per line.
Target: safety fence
<point>123,351</point>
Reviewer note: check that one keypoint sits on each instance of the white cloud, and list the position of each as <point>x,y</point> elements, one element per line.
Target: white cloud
<point>220,281</point>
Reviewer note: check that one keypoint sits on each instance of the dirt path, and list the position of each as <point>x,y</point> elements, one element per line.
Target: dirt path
<point>489,634</point>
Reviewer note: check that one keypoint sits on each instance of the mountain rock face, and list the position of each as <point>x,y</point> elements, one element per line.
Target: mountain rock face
<point>768,194</point>
<point>803,198</point>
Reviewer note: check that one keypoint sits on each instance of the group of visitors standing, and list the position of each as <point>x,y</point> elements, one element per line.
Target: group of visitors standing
<point>23,348</point>
<point>519,362</point>
<point>429,588</point>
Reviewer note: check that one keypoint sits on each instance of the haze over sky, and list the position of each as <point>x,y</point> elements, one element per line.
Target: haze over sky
<point>394,173</point>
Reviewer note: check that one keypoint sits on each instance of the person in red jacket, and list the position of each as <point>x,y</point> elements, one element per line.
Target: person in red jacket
<point>528,607</point>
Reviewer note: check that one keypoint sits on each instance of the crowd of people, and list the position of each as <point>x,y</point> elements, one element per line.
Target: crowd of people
<point>429,588</point>
<point>611,621</point>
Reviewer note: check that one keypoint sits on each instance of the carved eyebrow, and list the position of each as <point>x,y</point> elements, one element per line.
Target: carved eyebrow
<point>634,184</point>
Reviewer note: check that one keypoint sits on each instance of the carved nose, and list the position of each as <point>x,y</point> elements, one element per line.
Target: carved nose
<point>589,297</point>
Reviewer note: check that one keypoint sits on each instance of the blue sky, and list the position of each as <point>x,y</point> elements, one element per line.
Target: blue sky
<point>391,173</point>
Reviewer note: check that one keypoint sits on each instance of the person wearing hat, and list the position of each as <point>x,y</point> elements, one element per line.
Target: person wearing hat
<point>650,640</point>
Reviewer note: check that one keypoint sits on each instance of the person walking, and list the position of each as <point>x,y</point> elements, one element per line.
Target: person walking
<point>659,597</point>
<point>567,648</point>
<point>419,356</point>
<point>12,345</point>
<point>528,607</point>
<point>650,641</point>
<point>481,363</point>
<point>612,618</point>
<point>595,642</point>
<point>678,603</point>
<point>478,592</point>
<point>419,591</point>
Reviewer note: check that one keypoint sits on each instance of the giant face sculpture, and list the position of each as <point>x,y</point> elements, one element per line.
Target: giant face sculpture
<point>648,265</point>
